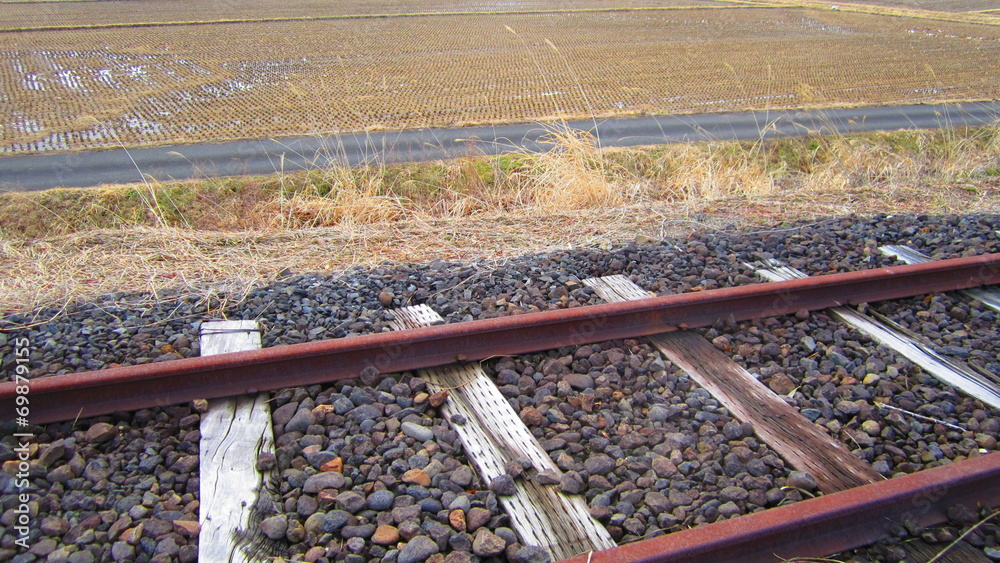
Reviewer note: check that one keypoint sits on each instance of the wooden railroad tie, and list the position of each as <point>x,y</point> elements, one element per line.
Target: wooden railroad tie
<point>954,372</point>
<point>234,431</point>
<point>493,435</point>
<point>800,442</point>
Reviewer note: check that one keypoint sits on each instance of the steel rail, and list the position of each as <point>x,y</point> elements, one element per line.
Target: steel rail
<point>825,525</point>
<point>66,397</point>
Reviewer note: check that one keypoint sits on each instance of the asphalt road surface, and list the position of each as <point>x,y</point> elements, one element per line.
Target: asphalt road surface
<point>235,158</point>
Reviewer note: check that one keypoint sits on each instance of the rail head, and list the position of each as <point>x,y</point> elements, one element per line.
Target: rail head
<point>824,525</point>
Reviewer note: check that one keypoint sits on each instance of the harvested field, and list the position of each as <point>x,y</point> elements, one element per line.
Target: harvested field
<point>938,5</point>
<point>136,85</point>
<point>101,12</point>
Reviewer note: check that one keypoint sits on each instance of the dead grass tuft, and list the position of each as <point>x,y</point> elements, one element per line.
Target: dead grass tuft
<point>717,170</point>
<point>338,196</point>
<point>572,175</point>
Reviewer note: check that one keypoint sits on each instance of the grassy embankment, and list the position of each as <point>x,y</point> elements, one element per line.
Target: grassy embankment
<point>222,236</point>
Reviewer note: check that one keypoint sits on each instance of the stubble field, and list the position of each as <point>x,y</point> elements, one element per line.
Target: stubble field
<point>110,82</point>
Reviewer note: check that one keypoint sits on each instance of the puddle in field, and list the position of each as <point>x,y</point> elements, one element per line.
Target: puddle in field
<point>142,125</point>
<point>31,82</point>
<point>107,78</point>
<point>738,101</point>
<point>98,70</point>
<point>27,126</point>
<point>89,75</point>
<point>810,23</point>
<point>70,80</point>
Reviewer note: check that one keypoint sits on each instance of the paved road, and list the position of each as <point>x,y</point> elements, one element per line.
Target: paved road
<point>84,169</point>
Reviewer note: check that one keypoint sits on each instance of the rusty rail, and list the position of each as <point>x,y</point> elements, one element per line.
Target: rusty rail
<point>66,397</point>
<point>825,525</point>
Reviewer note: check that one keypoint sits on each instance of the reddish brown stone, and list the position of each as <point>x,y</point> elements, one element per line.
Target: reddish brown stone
<point>326,497</point>
<point>781,384</point>
<point>416,477</point>
<point>385,535</point>
<point>438,399</point>
<point>335,465</point>
<point>187,528</point>
<point>132,536</point>
<point>532,416</point>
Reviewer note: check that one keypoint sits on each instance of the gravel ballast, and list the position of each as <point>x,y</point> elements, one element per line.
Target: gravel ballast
<point>368,469</point>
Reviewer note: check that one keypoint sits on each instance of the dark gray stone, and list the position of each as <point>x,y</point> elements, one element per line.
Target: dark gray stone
<point>462,476</point>
<point>418,549</point>
<point>326,480</point>
<point>503,485</point>
<point>364,531</point>
<point>531,554</point>
<point>599,464</point>
<point>300,421</point>
<point>274,527</point>
<point>350,501</point>
<point>334,520</point>
<point>417,432</point>
<point>571,483</point>
<point>801,480</point>
<point>380,500</point>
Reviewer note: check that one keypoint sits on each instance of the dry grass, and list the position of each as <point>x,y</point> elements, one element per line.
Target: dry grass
<point>223,237</point>
<point>571,176</point>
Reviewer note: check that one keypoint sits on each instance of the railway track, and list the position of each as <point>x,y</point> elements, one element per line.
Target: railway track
<point>638,410</point>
